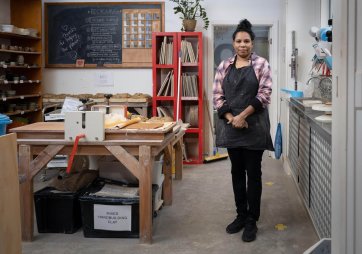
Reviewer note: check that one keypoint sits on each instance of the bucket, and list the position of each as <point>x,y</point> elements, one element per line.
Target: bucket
<point>4,120</point>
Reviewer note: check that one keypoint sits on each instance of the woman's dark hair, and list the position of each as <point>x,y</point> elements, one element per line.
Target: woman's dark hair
<point>244,26</point>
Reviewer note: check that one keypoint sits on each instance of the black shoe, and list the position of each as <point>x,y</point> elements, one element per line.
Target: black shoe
<point>250,230</point>
<point>236,225</point>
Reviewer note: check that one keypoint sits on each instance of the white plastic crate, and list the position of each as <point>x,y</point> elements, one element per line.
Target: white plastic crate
<point>157,176</point>
<point>158,201</point>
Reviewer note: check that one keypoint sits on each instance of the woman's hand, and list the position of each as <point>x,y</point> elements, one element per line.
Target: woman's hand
<point>229,117</point>
<point>239,121</point>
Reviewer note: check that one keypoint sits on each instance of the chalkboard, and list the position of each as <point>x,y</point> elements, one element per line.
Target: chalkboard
<point>105,34</point>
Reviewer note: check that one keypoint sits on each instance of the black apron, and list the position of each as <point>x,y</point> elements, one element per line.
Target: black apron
<point>240,87</point>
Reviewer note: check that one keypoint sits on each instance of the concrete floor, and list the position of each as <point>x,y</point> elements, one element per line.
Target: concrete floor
<point>202,207</point>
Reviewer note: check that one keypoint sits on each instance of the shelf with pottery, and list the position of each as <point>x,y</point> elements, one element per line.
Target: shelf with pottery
<point>21,61</point>
<point>21,97</point>
<point>28,81</point>
<point>19,51</point>
<point>11,35</point>
<point>4,66</point>
<point>21,112</point>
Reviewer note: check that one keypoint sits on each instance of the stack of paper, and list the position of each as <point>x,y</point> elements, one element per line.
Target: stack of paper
<point>187,52</point>
<point>166,50</point>
<point>167,86</point>
<point>164,111</point>
<point>189,85</point>
<point>112,190</point>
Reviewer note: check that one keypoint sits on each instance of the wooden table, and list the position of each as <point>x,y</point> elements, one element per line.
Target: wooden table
<point>46,139</point>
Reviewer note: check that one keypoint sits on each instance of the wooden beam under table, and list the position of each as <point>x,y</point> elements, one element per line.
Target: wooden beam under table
<point>26,193</point>
<point>145,189</point>
<point>43,158</point>
<point>129,161</point>
<point>178,159</point>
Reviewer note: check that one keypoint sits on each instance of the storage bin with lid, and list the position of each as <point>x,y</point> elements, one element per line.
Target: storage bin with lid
<point>4,120</point>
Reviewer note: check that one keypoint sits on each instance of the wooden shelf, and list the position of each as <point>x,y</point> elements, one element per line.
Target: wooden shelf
<point>19,67</point>
<point>20,82</point>
<point>21,97</point>
<point>23,14</point>
<point>22,112</point>
<point>19,52</point>
<point>17,36</point>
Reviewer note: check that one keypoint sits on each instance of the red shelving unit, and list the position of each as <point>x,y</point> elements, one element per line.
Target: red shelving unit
<point>189,105</point>
<point>160,70</point>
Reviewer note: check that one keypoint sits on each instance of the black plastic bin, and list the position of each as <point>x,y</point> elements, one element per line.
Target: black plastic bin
<point>57,212</point>
<point>110,223</point>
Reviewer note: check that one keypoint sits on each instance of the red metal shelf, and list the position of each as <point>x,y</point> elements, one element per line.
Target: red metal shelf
<point>193,138</point>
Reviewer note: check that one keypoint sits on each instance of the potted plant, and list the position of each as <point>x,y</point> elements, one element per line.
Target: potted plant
<point>190,10</point>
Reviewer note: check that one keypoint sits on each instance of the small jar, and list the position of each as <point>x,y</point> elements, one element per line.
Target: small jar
<point>20,60</point>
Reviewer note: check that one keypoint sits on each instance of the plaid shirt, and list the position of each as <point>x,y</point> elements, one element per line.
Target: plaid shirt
<point>262,72</point>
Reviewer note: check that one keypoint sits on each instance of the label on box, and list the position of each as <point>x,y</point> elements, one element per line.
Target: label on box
<point>113,218</point>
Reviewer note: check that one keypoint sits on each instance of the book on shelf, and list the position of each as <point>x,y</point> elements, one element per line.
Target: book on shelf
<point>189,85</point>
<point>166,88</point>
<point>164,111</point>
<point>187,52</point>
<point>165,55</point>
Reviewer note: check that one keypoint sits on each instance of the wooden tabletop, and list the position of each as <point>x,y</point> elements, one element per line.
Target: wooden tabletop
<point>59,127</point>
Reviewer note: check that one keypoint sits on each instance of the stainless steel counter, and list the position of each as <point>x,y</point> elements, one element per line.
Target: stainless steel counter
<point>325,128</point>
<point>309,157</point>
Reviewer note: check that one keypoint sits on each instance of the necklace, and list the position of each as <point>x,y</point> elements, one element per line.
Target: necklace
<point>241,63</point>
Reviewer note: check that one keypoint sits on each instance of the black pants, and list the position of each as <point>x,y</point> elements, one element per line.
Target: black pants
<point>246,177</point>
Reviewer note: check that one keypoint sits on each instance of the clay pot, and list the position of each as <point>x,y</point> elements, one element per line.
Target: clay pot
<point>189,25</point>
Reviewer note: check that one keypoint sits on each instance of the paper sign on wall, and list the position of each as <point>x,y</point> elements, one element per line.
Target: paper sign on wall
<point>113,218</point>
<point>104,78</point>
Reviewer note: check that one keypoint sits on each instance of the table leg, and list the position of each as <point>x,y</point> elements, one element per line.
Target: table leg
<point>145,191</point>
<point>167,170</point>
<point>178,160</point>
<point>26,193</point>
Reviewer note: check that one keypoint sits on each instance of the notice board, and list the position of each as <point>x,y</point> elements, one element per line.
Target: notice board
<point>101,34</point>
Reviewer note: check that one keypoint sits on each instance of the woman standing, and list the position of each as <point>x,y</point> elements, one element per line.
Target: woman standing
<point>242,89</point>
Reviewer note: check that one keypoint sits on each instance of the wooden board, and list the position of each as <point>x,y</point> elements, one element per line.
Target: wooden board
<point>41,126</point>
<point>58,127</point>
<point>143,126</point>
<point>10,230</point>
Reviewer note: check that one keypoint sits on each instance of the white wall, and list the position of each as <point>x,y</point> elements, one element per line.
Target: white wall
<point>299,16</point>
